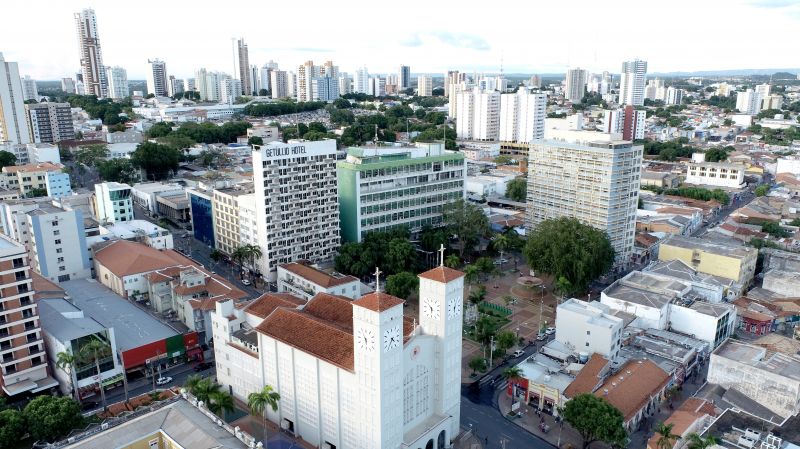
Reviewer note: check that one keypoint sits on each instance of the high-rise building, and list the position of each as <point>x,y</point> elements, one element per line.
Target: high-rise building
<point>22,348</point>
<point>328,69</point>
<point>772,102</point>
<point>157,78</point>
<point>377,86</point>
<point>279,84</point>
<point>117,82</point>
<point>305,73</point>
<point>29,89</point>
<point>397,167</point>
<point>674,96</point>
<point>324,88</point>
<point>651,90</point>
<point>361,81</point>
<point>229,89</point>
<point>590,176</point>
<point>575,86</point>
<point>243,65</point>
<point>632,82</point>
<point>535,81</point>
<point>92,69</point>
<point>266,75</point>
<point>255,79</point>
<point>13,122</point>
<point>424,85</point>
<point>633,123</point>
<point>296,189</point>
<point>68,85</point>
<point>225,204</point>
<point>189,85</point>
<point>453,78</point>
<point>404,77</point>
<point>50,122</point>
<point>761,89</point>
<point>174,86</point>
<point>748,102</point>
<point>208,84</point>
<point>452,103</point>
<point>113,202</point>
<point>345,83</point>
<point>522,116</point>
<point>478,114</point>
<point>291,84</point>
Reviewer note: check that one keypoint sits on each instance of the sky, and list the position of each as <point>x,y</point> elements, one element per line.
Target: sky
<point>430,36</point>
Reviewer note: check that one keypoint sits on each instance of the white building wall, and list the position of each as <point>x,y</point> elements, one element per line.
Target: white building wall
<point>587,327</point>
<point>647,316</point>
<point>714,174</point>
<point>699,325</point>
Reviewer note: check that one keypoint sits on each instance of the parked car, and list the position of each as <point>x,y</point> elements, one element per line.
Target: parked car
<point>245,282</point>
<point>202,366</point>
<point>163,380</point>
<point>518,353</point>
<point>541,337</point>
<point>550,331</point>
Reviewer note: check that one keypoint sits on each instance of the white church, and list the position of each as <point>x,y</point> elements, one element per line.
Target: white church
<point>352,374</point>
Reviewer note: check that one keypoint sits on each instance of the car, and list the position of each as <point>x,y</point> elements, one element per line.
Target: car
<point>202,366</point>
<point>550,331</point>
<point>541,337</point>
<point>163,380</point>
<point>245,282</point>
<point>518,353</point>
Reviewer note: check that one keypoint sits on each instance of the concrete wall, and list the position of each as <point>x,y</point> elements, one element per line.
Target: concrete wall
<point>728,267</point>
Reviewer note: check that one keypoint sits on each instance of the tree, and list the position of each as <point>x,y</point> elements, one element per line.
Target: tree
<point>466,222</point>
<point>96,350</point>
<point>118,170</point>
<point>156,159</point>
<point>513,373</point>
<point>477,364</point>
<point>216,255</point>
<point>255,140</point>
<point>90,155</point>
<point>400,256</point>
<point>402,284</point>
<point>517,190</point>
<point>565,247</point>
<point>65,361</point>
<point>259,401</point>
<point>263,92</point>
<point>7,159</point>
<point>471,273</point>
<point>220,402</point>
<point>717,154</point>
<point>12,427</point>
<point>452,261</point>
<point>49,418</point>
<point>201,388</point>
<point>502,160</point>
<point>505,341</point>
<point>666,439</point>
<point>355,259</point>
<point>762,190</point>
<point>698,442</point>
<point>774,229</point>
<point>595,419</point>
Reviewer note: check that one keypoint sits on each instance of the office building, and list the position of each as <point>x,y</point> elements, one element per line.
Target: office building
<point>522,116</point>
<point>117,82</point>
<point>243,64</point>
<point>229,90</point>
<point>291,84</point>
<point>589,327</point>
<point>590,176</point>
<point>266,75</point>
<point>345,83</point>
<point>424,86</point>
<point>404,77</point>
<point>21,345</point>
<point>13,122</point>
<point>632,81</point>
<point>298,207</point>
<point>652,89</point>
<point>324,88</point>
<point>189,85</point>
<point>278,84</point>
<point>478,113</point>
<point>58,243</point>
<point>255,80</point>
<point>764,90</point>
<point>157,78</point>
<point>328,69</point>
<point>748,102</point>
<point>403,198</point>
<point>113,202</point>
<point>208,84</point>
<point>717,174</point>
<point>575,86</point>
<point>68,85</point>
<point>201,210</point>
<point>361,81</point>
<point>174,86</point>
<point>29,90</point>
<point>50,122</point>
<point>91,56</point>
<point>225,204</point>
<point>305,73</point>
<point>377,86</point>
<point>408,373</point>
<point>633,123</point>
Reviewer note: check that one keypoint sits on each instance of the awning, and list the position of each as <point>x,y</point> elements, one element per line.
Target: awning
<point>43,384</point>
<point>19,387</point>
<point>112,380</point>
<point>194,351</point>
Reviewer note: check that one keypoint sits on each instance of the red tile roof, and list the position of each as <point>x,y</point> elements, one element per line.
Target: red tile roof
<point>331,308</point>
<point>632,387</point>
<point>442,274</point>
<point>589,378</point>
<point>268,302</point>
<point>316,276</point>
<point>124,258</point>
<point>378,301</point>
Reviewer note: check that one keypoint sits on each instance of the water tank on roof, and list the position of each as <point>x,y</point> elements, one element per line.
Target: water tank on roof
<point>583,357</point>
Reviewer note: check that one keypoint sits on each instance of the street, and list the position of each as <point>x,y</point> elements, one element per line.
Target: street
<point>178,373</point>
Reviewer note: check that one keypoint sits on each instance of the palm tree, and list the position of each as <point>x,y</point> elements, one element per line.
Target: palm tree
<point>501,243</point>
<point>667,439</point>
<point>512,373</point>
<point>258,402</point>
<point>698,442</point>
<point>452,261</point>
<point>96,349</point>
<point>204,389</point>
<point>471,274</point>
<point>220,402</point>
<point>477,364</point>
<point>252,253</point>
<point>65,361</point>
<point>238,257</point>
<point>191,383</point>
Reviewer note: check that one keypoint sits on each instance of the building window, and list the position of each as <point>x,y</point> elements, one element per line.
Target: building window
<point>58,241</point>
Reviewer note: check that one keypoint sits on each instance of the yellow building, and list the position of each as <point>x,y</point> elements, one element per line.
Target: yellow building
<point>27,178</point>
<point>731,261</point>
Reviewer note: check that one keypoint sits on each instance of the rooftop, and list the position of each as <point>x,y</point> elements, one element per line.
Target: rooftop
<point>44,166</point>
<point>317,276</point>
<point>124,258</point>
<point>543,370</point>
<point>596,313</point>
<point>630,388</point>
<point>589,378</point>
<point>442,274</point>
<point>693,243</point>
<point>637,295</point>
<point>64,321</point>
<point>378,301</point>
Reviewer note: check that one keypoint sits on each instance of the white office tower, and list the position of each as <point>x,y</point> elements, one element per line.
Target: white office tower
<point>613,120</point>
<point>29,89</point>
<point>279,84</point>
<point>291,84</point>
<point>266,75</point>
<point>522,116</point>
<point>175,86</point>
<point>296,191</point>
<point>92,69</point>
<point>13,121</point>
<point>324,88</point>
<point>651,90</point>
<point>361,81</point>
<point>762,89</point>
<point>243,67</point>
<point>117,82</point>
<point>404,77</point>
<point>605,83</point>
<point>587,175</point>
<point>255,80</point>
<point>632,81</point>
<point>575,86</point>
<point>674,96</point>
<point>329,69</point>
<point>452,79</point>
<point>68,85</point>
<point>345,83</point>
<point>452,102</point>
<point>113,202</point>
<point>230,89</point>
<point>478,114</point>
<point>424,86</point>
<point>189,85</point>
<point>157,78</point>
<point>377,86</point>
<point>748,102</point>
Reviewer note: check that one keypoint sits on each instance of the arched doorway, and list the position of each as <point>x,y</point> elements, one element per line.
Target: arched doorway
<point>430,444</point>
<point>440,441</point>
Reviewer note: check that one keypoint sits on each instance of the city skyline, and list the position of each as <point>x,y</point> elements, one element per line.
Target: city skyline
<point>453,44</point>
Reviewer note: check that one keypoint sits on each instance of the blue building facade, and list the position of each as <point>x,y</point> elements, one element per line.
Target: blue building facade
<point>58,184</point>
<point>202,215</point>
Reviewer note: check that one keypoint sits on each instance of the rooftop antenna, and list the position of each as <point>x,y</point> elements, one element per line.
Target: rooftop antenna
<point>377,280</point>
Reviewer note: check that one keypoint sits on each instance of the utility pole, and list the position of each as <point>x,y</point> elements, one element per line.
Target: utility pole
<point>491,352</point>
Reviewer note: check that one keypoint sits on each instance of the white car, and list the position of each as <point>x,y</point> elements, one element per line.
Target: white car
<point>163,380</point>
<point>550,331</point>
<point>245,282</point>
<point>518,353</point>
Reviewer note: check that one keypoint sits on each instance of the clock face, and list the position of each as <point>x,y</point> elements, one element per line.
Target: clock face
<point>454,307</point>
<point>365,339</point>
<point>430,307</point>
<point>391,338</point>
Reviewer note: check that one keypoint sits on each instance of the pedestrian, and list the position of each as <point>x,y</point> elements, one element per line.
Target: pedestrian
<point>487,441</point>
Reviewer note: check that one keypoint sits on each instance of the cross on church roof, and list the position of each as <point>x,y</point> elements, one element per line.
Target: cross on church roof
<point>441,255</point>
<point>377,280</point>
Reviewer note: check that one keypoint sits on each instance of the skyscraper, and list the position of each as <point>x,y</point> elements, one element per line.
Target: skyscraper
<point>404,77</point>
<point>522,116</point>
<point>94,75</point>
<point>632,82</point>
<point>174,86</point>
<point>13,124</point>
<point>361,81</point>
<point>266,75</point>
<point>50,122</point>
<point>68,85</point>
<point>29,89</point>
<point>255,80</point>
<point>345,83</point>
<point>157,78</point>
<point>305,73</point>
<point>478,114</point>
<point>117,82</point>
<point>424,86</point>
<point>576,85</point>
<point>279,84</point>
<point>243,65</point>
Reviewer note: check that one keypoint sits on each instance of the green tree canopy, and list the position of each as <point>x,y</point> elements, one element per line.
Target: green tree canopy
<point>255,140</point>
<point>595,419</point>
<point>118,170</point>
<point>564,247</point>
<point>50,418</point>
<point>156,159</point>
<point>282,108</point>
<point>7,159</point>
<point>466,222</point>
<point>400,256</point>
<point>91,155</point>
<point>505,341</point>
<point>12,427</point>
<point>762,190</point>
<point>477,364</point>
<point>402,284</point>
<point>517,190</point>
<point>718,154</point>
